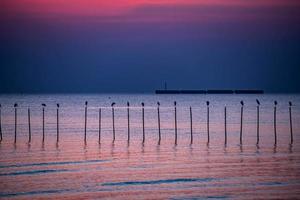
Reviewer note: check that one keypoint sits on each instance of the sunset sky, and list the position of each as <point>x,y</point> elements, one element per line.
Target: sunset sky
<point>136,45</point>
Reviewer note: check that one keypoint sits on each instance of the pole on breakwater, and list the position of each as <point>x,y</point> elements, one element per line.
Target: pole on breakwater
<point>207,122</point>
<point>113,120</point>
<point>257,123</point>
<point>241,128</point>
<point>85,120</point>
<point>291,122</point>
<point>128,122</point>
<point>175,110</point>
<point>275,131</point>
<point>29,127</point>
<point>143,116</point>
<point>57,123</point>
<point>158,121</point>
<point>191,121</point>
<point>225,123</point>
<point>15,106</point>
<point>99,135</point>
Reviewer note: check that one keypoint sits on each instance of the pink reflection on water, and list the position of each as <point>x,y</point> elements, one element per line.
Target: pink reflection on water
<point>72,169</point>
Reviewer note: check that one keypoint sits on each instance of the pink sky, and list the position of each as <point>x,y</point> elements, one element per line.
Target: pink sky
<point>125,7</point>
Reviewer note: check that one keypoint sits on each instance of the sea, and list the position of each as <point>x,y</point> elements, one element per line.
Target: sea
<point>107,149</point>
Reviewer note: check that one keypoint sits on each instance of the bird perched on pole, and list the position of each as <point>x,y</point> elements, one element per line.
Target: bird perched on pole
<point>242,103</point>
<point>44,105</point>
<point>113,104</point>
<point>15,105</point>
<point>275,103</point>
<point>158,103</point>
<point>207,103</point>
<point>258,103</point>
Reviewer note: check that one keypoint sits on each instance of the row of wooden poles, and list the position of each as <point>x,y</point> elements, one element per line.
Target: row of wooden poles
<point>158,117</point>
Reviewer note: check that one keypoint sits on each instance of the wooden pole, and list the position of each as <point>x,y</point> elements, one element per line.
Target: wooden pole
<point>143,116</point>
<point>191,121</point>
<point>225,122</point>
<point>128,122</point>
<point>275,131</point>
<point>29,126</point>
<point>57,124</point>
<point>241,128</point>
<point>0,126</point>
<point>15,106</point>
<point>99,139</point>
<point>85,120</point>
<point>113,121</point>
<point>291,125</point>
<point>158,118</point>
<point>175,122</point>
<point>207,122</point>
<point>43,125</point>
<point>257,126</point>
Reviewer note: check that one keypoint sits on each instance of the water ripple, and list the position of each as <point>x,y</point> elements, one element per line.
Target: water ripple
<point>33,193</point>
<point>55,163</point>
<point>153,182</point>
<point>34,172</point>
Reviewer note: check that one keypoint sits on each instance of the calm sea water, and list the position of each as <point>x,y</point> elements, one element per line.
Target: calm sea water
<point>121,170</point>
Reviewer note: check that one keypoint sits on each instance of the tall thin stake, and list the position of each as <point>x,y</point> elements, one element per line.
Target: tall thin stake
<point>99,139</point>
<point>191,121</point>
<point>44,105</point>
<point>257,126</point>
<point>175,122</point>
<point>275,131</point>
<point>0,126</point>
<point>128,122</point>
<point>57,123</point>
<point>113,120</point>
<point>225,122</point>
<point>207,123</point>
<point>143,116</point>
<point>16,105</point>
<point>29,126</point>
<point>158,121</point>
<point>291,124</point>
<point>85,120</point>
<point>241,128</point>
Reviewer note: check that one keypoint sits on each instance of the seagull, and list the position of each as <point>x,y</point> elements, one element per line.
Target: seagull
<point>43,104</point>
<point>16,105</point>
<point>113,104</point>
<point>143,104</point>
<point>57,105</point>
<point>275,103</point>
<point>127,103</point>
<point>158,103</point>
<point>175,103</point>
<point>86,103</point>
<point>207,103</point>
<point>290,103</point>
<point>258,103</point>
<point>242,103</point>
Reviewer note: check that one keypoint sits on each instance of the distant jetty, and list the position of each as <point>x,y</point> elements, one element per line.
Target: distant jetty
<point>246,91</point>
